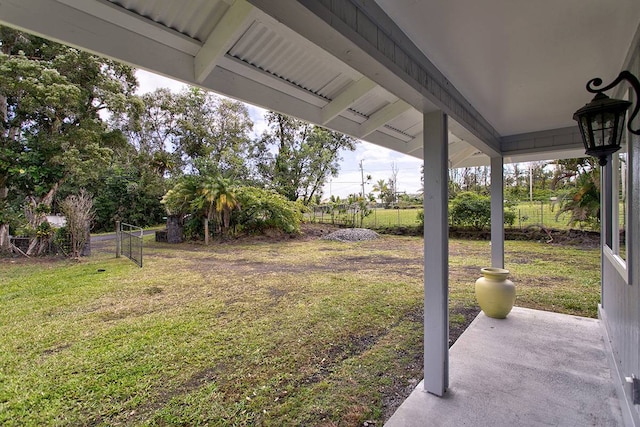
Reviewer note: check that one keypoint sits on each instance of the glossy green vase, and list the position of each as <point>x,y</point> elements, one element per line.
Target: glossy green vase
<point>495,293</point>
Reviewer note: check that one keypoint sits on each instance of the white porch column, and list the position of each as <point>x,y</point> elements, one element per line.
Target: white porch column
<point>497,212</point>
<point>436,254</point>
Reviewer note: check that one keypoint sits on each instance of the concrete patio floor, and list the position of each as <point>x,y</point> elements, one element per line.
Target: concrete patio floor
<point>534,368</point>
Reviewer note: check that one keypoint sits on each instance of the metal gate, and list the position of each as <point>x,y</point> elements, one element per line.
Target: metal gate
<point>129,242</point>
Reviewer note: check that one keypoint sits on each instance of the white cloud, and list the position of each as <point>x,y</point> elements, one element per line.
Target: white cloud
<point>148,82</point>
<point>257,115</point>
<point>376,161</point>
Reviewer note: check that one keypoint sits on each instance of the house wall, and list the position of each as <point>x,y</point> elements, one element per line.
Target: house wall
<point>620,308</point>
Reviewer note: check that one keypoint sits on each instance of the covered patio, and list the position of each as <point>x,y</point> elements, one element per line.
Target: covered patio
<point>454,83</point>
<point>534,368</point>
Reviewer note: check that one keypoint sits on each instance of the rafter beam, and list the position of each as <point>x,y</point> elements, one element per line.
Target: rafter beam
<point>456,160</point>
<point>364,37</point>
<point>383,116</point>
<point>457,146</point>
<point>217,42</point>
<point>347,98</point>
<point>59,22</point>
<point>126,19</point>
<point>416,144</point>
<point>271,96</point>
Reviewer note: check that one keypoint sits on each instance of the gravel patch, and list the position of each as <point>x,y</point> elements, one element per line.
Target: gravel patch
<point>352,235</point>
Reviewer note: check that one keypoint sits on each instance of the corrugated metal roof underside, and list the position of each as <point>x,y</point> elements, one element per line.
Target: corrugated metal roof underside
<point>272,48</point>
<point>194,18</point>
<point>287,58</point>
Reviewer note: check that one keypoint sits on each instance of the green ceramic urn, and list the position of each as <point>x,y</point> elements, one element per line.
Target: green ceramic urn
<point>495,293</point>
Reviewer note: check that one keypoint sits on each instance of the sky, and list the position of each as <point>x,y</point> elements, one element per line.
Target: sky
<point>376,161</point>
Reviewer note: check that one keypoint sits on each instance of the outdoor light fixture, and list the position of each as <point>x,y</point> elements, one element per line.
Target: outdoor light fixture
<point>601,121</point>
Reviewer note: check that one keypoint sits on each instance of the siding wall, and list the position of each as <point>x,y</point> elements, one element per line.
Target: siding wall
<point>621,300</point>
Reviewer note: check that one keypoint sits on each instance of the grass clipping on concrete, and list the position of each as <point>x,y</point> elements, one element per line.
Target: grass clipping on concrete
<point>302,332</point>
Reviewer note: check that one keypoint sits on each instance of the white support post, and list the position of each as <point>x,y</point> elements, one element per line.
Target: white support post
<point>436,254</point>
<point>606,210</point>
<point>497,212</point>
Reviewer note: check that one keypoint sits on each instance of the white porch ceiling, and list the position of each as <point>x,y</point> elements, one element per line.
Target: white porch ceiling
<point>520,65</point>
<point>523,64</point>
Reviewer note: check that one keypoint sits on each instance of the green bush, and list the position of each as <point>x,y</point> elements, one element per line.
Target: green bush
<point>469,209</point>
<point>62,241</point>
<point>193,229</point>
<point>263,209</point>
<point>509,218</point>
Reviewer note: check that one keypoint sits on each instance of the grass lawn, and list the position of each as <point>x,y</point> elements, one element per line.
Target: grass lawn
<point>297,332</point>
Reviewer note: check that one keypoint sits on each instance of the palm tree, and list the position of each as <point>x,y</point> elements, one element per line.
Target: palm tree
<point>217,197</point>
<point>205,200</point>
<point>226,202</point>
<point>382,188</point>
<point>584,206</point>
<point>209,196</point>
<point>179,199</point>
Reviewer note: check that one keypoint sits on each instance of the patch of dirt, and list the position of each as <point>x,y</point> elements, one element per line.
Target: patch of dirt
<point>456,329</point>
<point>197,380</point>
<point>336,354</point>
<point>13,259</point>
<point>329,264</point>
<point>56,349</point>
<point>539,281</point>
<point>308,231</point>
<point>395,394</point>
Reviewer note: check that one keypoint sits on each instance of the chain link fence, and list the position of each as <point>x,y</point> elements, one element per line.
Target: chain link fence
<point>546,214</point>
<point>129,240</point>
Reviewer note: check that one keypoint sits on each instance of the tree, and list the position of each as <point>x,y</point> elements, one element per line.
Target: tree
<point>193,131</point>
<point>206,197</point>
<point>265,209</point>
<point>128,193</point>
<point>78,210</point>
<point>296,158</point>
<point>151,126</point>
<point>216,196</point>
<point>385,191</point>
<point>470,209</point>
<point>53,136</point>
<point>584,205</point>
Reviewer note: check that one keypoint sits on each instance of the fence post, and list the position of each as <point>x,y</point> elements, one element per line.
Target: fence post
<point>520,218</point>
<point>118,240</point>
<point>542,212</point>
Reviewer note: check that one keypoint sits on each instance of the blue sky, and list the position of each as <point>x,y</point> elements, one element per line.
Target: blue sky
<point>377,161</point>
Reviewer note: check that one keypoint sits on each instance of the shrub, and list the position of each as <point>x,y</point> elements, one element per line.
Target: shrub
<point>62,241</point>
<point>509,217</point>
<point>263,209</point>
<point>78,209</point>
<point>469,209</point>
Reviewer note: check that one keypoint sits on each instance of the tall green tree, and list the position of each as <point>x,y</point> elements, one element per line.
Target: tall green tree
<point>128,193</point>
<point>53,98</point>
<point>296,158</point>
<point>192,131</point>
